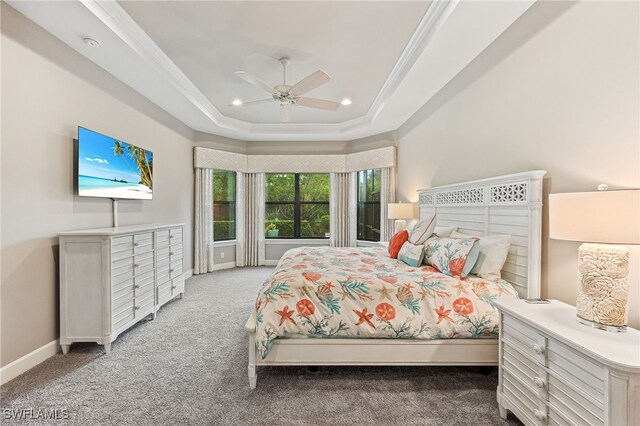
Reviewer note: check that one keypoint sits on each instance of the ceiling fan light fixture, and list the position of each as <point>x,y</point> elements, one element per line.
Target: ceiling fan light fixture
<point>236,102</point>
<point>346,102</point>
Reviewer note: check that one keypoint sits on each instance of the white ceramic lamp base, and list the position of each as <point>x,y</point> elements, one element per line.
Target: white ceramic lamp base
<point>400,224</point>
<point>603,288</point>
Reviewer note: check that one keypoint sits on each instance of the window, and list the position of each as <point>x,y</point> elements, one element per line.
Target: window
<point>297,205</point>
<point>369,205</point>
<point>224,205</point>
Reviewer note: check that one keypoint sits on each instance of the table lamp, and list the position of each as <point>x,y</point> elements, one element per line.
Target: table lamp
<point>606,221</point>
<point>400,212</point>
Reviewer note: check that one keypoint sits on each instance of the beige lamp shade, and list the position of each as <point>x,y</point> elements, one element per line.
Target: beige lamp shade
<point>400,211</point>
<point>611,217</point>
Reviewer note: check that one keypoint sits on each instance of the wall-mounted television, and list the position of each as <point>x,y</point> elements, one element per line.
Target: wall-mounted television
<point>111,168</point>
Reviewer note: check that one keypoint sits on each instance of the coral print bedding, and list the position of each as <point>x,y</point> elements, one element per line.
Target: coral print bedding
<point>362,292</point>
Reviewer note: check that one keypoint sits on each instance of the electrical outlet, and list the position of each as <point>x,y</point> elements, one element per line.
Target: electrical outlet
<point>221,255</point>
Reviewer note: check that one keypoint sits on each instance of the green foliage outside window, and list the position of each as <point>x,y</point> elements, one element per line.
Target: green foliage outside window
<point>297,205</point>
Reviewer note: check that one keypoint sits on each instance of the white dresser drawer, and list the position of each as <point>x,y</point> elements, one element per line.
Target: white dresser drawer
<point>177,286</point>
<point>121,243</point>
<point>162,236</point>
<point>121,275</point>
<point>162,252</point>
<point>121,254</point>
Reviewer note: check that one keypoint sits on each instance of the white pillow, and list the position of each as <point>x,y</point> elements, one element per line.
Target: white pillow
<point>444,231</point>
<point>494,250</point>
<point>422,230</point>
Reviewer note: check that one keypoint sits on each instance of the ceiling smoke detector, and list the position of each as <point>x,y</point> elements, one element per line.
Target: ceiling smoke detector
<point>90,42</point>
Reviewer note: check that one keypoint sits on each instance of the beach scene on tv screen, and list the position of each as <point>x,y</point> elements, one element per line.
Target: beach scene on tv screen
<point>111,168</point>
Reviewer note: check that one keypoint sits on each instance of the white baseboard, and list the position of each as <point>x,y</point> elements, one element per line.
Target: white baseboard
<point>27,362</point>
<point>188,274</point>
<point>271,262</point>
<point>226,265</point>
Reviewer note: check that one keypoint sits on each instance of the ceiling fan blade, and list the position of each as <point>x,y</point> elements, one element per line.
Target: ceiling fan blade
<point>261,101</point>
<point>285,113</point>
<point>318,103</point>
<point>255,81</point>
<point>310,82</point>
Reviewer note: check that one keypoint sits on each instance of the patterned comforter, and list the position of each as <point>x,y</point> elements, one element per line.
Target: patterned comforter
<point>362,292</point>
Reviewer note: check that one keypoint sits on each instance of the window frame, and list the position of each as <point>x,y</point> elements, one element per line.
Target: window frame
<point>297,210</point>
<point>225,203</point>
<point>366,202</point>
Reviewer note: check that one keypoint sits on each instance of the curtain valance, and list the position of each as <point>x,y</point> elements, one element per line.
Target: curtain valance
<point>207,158</point>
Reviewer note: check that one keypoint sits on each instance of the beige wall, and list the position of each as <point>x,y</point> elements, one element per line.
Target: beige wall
<point>47,91</point>
<point>562,96</point>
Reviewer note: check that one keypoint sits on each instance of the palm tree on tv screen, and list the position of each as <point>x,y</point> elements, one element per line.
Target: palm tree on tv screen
<point>139,155</point>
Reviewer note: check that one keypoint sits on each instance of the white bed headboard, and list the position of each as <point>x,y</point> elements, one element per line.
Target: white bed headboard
<point>510,204</point>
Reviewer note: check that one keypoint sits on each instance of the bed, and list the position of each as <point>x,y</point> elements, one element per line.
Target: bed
<point>363,308</point>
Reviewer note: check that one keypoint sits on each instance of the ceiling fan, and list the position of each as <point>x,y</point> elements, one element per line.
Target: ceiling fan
<point>288,95</point>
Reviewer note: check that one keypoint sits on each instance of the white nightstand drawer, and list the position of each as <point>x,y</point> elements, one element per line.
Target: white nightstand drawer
<point>567,403</point>
<point>528,371</point>
<point>524,400</point>
<point>525,338</point>
<point>569,365</point>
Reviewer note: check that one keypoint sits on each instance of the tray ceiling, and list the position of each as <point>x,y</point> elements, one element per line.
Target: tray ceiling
<point>389,57</point>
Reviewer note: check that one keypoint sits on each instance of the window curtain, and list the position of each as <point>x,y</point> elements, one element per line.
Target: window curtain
<point>342,207</point>
<point>387,195</point>
<point>203,227</point>
<point>250,219</point>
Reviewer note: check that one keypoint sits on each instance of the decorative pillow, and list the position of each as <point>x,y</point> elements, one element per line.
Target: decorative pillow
<point>444,231</point>
<point>494,250</point>
<point>411,254</point>
<point>451,256</point>
<point>396,242</point>
<point>423,230</point>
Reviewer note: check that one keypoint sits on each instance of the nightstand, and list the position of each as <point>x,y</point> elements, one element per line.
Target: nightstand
<point>554,370</point>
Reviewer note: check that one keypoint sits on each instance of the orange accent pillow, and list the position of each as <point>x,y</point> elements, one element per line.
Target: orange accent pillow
<point>396,242</point>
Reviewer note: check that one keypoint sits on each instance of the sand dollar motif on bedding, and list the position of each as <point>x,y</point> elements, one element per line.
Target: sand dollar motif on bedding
<point>385,311</point>
<point>305,307</point>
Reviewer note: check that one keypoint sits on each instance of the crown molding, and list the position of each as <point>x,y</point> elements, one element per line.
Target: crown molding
<point>112,15</point>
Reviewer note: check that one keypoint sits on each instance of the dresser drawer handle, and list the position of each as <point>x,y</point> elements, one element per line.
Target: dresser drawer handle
<point>539,415</point>
<point>136,286</point>
<point>136,244</point>
<point>539,382</point>
<point>170,236</point>
<point>538,349</point>
<point>170,270</point>
<point>173,287</point>
<point>171,253</point>
<point>136,307</point>
<point>136,265</point>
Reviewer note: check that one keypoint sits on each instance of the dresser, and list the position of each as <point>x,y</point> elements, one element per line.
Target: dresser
<point>556,371</point>
<point>112,278</point>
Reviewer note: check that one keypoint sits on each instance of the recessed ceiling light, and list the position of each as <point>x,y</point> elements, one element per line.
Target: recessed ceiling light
<point>236,102</point>
<point>346,101</point>
<point>91,42</point>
